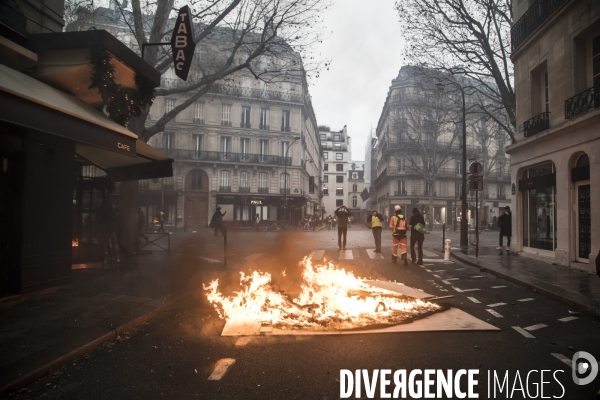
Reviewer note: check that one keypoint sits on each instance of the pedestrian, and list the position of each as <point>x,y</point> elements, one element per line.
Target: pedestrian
<point>328,222</point>
<point>376,222</point>
<point>256,222</point>
<point>342,214</point>
<point>334,221</point>
<point>216,221</point>
<point>398,225</point>
<point>494,221</point>
<point>416,237</point>
<point>161,220</point>
<point>505,225</point>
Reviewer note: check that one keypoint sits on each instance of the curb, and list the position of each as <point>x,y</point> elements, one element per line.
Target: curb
<point>86,348</point>
<point>536,285</point>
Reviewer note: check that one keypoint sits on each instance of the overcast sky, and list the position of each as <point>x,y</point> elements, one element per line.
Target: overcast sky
<point>364,49</point>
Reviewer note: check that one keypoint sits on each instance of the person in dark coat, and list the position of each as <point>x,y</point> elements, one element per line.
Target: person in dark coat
<point>505,225</point>
<point>342,214</point>
<point>376,222</point>
<point>416,237</point>
<point>216,221</point>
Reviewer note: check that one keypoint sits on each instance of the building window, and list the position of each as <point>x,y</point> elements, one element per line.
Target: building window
<point>264,150</point>
<point>169,105</point>
<point>339,202</point>
<point>339,156</point>
<point>539,207</point>
<point>339,179</point>
<point>337,138</point>
<point>224,183</point>
<point>354,201</point>
<point>401,164</point>
<point>596,64</point>
<point>311,184</point>
<point>168,141</point>
<point>325,191</point>
<point>457,189</point>
<point>427,188</point>
<point>459,167</point>
<point>285,149</point>
<point>501,193</point>
<point>245,122</point>
<point>337,147</point>
<point>199,112</point>
<point>196,180</point>
<point>284,183</point>
<point>285,121</point>
<point>339,191</point>
<point>263,185</point>
<point>325,167</point>
<point>245,149</point>
<point>225,147</point>
<point>355,175</point>
<point>226,115</point>
<point>339,167</point>
<point>264,119</point>
<point>326,155</point>
<point>355,188</point>
<point>323,136</point>
<point>244,180</point>
<point>402,186</point>
<point>196,146</point>
<point>326,178</point>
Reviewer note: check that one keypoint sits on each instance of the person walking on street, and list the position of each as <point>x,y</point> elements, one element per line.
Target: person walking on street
<point>342,214</point>
<point>416,237</point>
<point>398,225</point>
<point>256,222</point>
<point>216,221</point>
<point>376,221</point>
<point>161,220</point>
<point>505,225</point>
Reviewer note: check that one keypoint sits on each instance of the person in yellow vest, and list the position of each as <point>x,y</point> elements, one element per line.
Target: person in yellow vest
<point>376,222</point>
<point>398,225</point>
<point>256,222</point>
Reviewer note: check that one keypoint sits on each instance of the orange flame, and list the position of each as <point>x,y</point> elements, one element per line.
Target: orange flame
<point>329,297</point>
<point>75,242</point>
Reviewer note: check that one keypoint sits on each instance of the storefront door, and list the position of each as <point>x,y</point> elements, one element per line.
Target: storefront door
<point>196,211</point>
<point>584,221</point>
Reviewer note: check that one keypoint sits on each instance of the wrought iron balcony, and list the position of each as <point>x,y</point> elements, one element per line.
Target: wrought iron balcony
<point>246,125</point>
<point>239,91</point>
<point>534,17</point>
<point>225,123</point>
<point>225,189</point>
<point>199,121</point>
<point>537,124</point>
<point>400,193</point>
<point>263,127</point>
<point>284,191</point>
<point>582,102</point>
<point>244,189</point>
<point>263,190</point>
<point>224,156</point>
<point>285,128</point>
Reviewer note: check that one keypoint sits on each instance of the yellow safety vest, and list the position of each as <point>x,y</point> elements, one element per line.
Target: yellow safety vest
<point>401,225</point>
<point>376,222</point>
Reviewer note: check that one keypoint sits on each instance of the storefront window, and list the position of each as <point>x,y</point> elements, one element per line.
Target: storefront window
<point>539,208</point>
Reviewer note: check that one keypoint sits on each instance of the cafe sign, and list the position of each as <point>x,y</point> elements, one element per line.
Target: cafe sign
<point>182,43</point>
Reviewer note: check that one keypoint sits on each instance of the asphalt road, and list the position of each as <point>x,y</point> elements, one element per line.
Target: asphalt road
<point>173,356</point>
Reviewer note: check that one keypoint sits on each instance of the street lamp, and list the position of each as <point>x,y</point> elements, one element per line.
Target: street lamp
<point>285,178</point>
<point>464,242</point>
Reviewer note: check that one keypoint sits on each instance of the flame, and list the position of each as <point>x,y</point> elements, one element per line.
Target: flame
<point>329,297</point>
<point>75,242</point>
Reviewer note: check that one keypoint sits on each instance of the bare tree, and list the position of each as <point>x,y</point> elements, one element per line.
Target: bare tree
<point>465,37</point>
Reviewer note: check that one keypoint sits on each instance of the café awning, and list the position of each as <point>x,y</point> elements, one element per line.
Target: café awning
<point>29,103</point>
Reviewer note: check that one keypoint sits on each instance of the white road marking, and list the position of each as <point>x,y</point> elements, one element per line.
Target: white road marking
<point>437,276</point>
<point>244,340</point>
<point>474,300</point>
<point>498,287</point>
<point>346,255</point>
<point>459,269</point>
<point>210,260</point>
<point>496,304</point>
<point>440,270</point>
<point>523,332</point>
<point>478,276</point>
<point>220,368</point>
<point>494,313</point>
<point>375,256</point>
<point>446,281</point>
<point>435,260</point>
<point>535,327</point>
<point>452,279</point>
<point>564,359</point>
<point>422,266</point>
<point>470,290</point>
<point>253,256</point>
<point>426,265</point>
<point>527,299</point>
<point>567,319</point>
<point>317,255</point>
<point>428,270</point>
<point>457,289</point>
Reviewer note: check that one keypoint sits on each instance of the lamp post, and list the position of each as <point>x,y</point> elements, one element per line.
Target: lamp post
<point>464,242</point>
<point>285,179</point>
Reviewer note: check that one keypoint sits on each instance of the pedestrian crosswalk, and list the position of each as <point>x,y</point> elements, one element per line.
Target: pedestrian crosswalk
<point>347,254</point>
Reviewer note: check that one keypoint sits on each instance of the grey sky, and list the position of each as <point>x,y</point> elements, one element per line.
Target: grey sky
<point>365,52</point>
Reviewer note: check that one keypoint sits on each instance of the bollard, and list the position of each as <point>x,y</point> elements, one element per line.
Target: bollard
<point>447,250</point>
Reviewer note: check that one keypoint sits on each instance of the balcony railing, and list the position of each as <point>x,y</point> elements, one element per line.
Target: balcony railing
<point>225,123</point>
<point>282,191</point>
<point>199,121</point>
<point>246,125</point>
<point>392,145</point>
<point>263,127</point>
<point>263,190</point>
<point>337,146</point>
<point>534,17</point>
<point>537,124</point>
<point>258,93</point>
<point>582,102</point>
<point>184,154</point>
<point>225,189</point>
<point>285,128</point>
<point>400,193</point>
<point>244,189</point>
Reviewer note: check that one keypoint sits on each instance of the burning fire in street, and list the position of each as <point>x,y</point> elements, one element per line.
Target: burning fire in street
<point>330,298</point>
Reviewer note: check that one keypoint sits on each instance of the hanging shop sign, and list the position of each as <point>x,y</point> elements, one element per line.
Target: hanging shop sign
<point>182,43</point>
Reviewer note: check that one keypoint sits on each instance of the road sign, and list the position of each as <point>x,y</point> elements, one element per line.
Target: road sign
<point>182,43</point>
<point>476,182</point>
<point>475,168</point>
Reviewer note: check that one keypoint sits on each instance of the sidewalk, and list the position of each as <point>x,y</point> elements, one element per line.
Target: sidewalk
<point>44,330</point>
<point>580,290</point>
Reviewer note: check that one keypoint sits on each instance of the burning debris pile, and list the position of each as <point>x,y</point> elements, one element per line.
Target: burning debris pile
<point>330,298</point>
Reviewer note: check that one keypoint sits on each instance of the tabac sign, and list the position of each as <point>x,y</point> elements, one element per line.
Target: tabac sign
<point>182,43</point>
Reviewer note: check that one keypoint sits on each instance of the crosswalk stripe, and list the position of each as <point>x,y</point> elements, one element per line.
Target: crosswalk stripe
<point>428,270</point>
<point>535,327</point>
<point>527,299</point>
<point>220,368</point>
<point>473,299</point>
<point>478,276</point>
<point>567,319</point>
<point>470,290</point>
<point>375,256</point>
<point>498,287</point>
<point>457,289</point>
<point>210,260</point>
<point>496,304</point>
<point>523,332</point>
<point>437,276</point>
<point>494,313</point>
<point>346,255</point>
<point>317,255</point>
<point>564,359</point>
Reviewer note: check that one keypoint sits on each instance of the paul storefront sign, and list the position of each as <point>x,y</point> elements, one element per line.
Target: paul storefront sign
<point>182,43</point>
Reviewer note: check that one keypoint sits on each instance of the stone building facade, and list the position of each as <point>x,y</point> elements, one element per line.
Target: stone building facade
<point>336,162</point>
<point>556,160</point>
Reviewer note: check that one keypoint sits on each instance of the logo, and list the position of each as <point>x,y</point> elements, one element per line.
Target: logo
<point>584,363</point>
